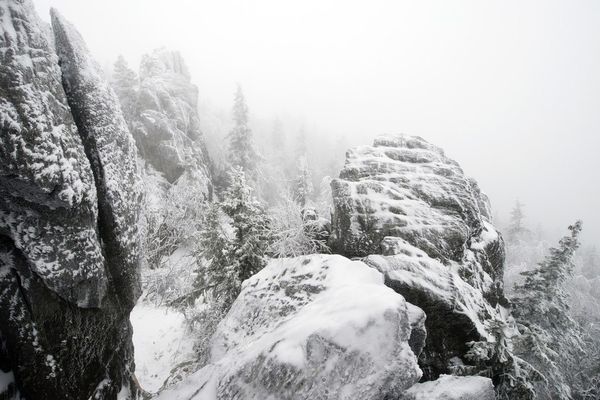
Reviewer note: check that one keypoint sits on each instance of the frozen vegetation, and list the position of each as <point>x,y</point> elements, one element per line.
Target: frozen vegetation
<point>153,249</point>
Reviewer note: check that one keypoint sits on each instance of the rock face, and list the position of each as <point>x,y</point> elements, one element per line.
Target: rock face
<point>427,228</point>
<point>301,329</point>
<point>68,244</point>
<point>449,387</point>
<point>166,127</point>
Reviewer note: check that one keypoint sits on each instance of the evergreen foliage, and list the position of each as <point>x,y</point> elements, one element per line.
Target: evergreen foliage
<point>241,145</point>
<point>550,338</point>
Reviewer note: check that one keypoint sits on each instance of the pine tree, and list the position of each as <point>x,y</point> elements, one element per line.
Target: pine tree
<point>591,263</point>
<point>551,339</point>
<point>516,228</point>
<point>513,377</point>
<point>233,243</point>
<point>250,225</point>
<point>303,188</point>
<point>125,84</point>
<point>241,145</point>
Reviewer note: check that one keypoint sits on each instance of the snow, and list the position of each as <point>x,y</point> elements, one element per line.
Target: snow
<point>300,320</point>
<point>449,387</point>
<point>161,341</point>
<point>6,379</point>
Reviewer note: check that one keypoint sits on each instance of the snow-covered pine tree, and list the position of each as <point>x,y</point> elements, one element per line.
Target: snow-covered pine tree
<point>125,84</point>
<point>217,279</point>
<point>242,152</point>
<point>233,243</point>
<point>591,263</point>
<point>303,187</point>
<point>250,225</point>
<point>550,338</point>
<point>516,230</point>
<point>513,377</point>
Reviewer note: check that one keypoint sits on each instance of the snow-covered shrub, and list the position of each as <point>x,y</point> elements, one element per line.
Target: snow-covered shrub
<point>173,217</point>
<point>296,230</point>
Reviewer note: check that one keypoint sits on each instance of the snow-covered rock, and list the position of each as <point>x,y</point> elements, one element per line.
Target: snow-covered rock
<point>166,127</point>
<point>313,327</point>
<point>448,387</point>
<point>68,261</point>
<point>45,176</point>
<point>112,153</point>
<point>427,228</point>
<point>405,187</point>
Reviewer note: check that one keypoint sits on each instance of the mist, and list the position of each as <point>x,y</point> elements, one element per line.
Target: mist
<point>508,89</point>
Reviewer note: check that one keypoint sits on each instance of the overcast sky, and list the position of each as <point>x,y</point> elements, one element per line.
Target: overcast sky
<point>510,89</point>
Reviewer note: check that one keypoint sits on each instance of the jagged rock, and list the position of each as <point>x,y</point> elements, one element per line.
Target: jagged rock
<point>45,177</point>
<point>427,228</point>
<point>112,153</point>
<point>404,187</point>
<point>166,128</point>
<point>302,329</point>
<point>449,387</point>
<point>67,261</point>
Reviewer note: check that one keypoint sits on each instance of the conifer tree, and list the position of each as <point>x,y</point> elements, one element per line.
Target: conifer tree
<point>125,84</point>
<point>516,228</point>
<point>303,187</point>
<point>241,145</point>
<point>551,340</point>
<point>249,222</point>
<point>233,242</point>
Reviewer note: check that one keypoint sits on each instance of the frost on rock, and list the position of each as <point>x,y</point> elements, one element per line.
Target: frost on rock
<point>166,128</point>
<point>45,176</point>
<point>64,314</point>
<point>427,228</point>
<point>448,387</point>
<point>112,152</point>
<point>302,328</point>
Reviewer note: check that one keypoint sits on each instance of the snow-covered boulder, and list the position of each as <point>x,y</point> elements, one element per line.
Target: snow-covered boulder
<point>448,387</point>
<point>166,126</point>
<point>427,228</point>
<point>68,258</point>
<point>312,327</point>
<point>405,187</point>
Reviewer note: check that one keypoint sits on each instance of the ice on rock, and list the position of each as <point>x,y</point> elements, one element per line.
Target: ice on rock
<point>311,327</point>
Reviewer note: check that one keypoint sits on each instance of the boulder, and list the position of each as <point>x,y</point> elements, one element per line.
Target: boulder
<point>448,387</point>
<point>68,242</point>
<point>304,328</point>
<point>405,187</point>
<point>416,217</point>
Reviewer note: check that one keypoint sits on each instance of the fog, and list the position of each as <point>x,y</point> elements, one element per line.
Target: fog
<point>509,89</point>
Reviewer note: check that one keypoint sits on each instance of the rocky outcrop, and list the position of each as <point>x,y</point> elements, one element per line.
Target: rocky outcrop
<point>303,329</point>
<point>427,228</point>
<point>68,242</point>
<point>166,126</point>
<point>449,387</point>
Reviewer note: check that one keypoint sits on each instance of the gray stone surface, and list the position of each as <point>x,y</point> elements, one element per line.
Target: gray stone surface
<point>68,245</point>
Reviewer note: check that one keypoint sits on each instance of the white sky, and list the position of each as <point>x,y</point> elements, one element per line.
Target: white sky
<point>510,89</point>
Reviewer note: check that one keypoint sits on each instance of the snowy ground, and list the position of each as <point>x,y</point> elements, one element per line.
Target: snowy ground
<point>161,342</point>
